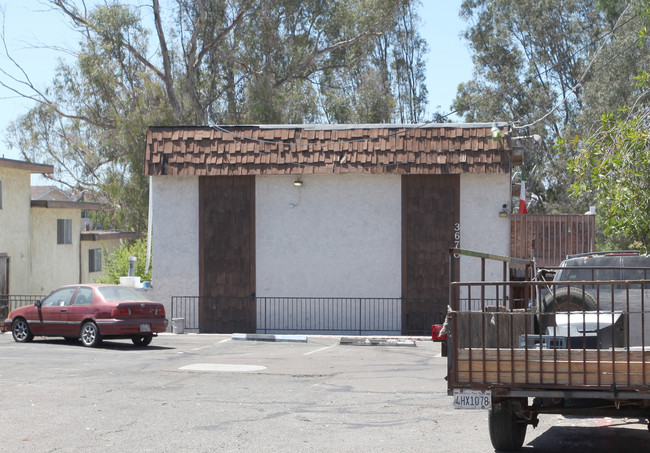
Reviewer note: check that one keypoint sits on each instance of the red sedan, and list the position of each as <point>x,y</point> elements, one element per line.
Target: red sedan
<point>90,312</point>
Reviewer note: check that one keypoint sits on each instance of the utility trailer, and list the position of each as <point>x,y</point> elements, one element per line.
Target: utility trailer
<point>510,354</point>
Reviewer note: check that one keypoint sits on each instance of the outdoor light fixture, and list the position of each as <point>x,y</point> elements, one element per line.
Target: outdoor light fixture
<point>504,211</point>
<point>495,132</point>
<point>298,182</point>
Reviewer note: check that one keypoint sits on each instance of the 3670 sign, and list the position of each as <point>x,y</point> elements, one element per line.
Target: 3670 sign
<point>456,238</point>
<point>472,399</point>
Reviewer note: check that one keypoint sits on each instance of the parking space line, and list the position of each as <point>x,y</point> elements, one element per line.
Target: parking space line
<point>204,347</point>
<point>319,349</point>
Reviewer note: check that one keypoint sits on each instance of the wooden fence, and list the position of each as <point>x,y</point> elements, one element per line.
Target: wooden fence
<point>552,237</point>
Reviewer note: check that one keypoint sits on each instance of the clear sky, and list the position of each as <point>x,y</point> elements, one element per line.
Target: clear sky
<point>449,62</point>
<point>29,23</point>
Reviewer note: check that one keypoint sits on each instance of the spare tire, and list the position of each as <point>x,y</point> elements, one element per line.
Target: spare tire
<point>565,299</point>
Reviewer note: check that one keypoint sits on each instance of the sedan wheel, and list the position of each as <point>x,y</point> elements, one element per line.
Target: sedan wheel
<point>143,340</point>
<point>90,335</point>
<point>21,332</point>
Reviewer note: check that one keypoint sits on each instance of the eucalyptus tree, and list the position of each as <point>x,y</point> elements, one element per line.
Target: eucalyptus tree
<point>551,68</point>
<point>206,62</point>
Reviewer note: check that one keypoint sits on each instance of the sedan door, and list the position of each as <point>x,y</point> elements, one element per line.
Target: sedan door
<point>81,308</point>
<point>52,315</point>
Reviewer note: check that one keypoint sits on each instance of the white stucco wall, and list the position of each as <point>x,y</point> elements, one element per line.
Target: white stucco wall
<point>175,238</point>
<point>15,228</point>
<point>336,236</point>
<point>53,264</point>
<point>481,228</point>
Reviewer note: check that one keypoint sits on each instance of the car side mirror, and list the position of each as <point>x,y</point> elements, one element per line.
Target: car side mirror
<point>38,303</point>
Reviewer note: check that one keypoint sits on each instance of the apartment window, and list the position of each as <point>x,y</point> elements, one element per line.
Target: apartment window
<point>94,260</point>
<point>64,231</point>
<point>0,194</point>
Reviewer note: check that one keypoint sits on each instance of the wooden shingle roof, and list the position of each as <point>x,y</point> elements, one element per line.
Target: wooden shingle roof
<point>301,149</point>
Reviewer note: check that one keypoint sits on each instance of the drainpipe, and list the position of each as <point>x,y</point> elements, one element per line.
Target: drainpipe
<point>80,256</point>
<point>149,215</point>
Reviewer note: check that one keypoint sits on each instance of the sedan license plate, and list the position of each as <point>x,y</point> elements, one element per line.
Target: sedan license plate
<point>145,327</point>
<point>472,399</point>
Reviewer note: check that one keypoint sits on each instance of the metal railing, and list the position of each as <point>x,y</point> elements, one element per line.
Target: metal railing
<point>380,316</point>
<point>577,335</point>
<point>328,315</point>
<point>10,302</point>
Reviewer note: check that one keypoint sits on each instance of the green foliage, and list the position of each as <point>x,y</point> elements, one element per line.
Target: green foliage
<point>615,164</point>
<point>116,263</point>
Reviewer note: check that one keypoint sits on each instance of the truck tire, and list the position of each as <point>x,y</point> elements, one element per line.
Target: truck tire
<point>507,431</point>
<point>564,299</point>
<point>574,300</point>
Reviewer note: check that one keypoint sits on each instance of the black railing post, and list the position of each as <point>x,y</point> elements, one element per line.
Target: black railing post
<point>266,314</point>
<point>360,315</point>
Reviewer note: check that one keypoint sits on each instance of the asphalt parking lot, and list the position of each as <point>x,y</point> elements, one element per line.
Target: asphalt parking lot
<point>205,393</point>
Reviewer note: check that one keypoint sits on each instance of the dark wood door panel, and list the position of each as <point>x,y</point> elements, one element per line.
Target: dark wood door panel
<point>430,218</point>
<point>227,250</point>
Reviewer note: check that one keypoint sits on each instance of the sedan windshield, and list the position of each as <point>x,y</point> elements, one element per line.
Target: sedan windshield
<point>112,293</point>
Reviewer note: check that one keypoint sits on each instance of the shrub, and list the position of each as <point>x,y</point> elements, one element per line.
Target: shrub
<point>116,263</point>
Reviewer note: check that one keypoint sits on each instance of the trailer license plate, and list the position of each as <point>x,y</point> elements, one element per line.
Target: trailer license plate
<point>472,399</point>
<point>145,327</point>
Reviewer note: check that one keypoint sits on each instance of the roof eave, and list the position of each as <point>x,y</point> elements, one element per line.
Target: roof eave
<point>27,166</point>
<point>55,204</point>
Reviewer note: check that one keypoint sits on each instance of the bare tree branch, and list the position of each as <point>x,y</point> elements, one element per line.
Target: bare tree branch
<point>167,75</point>
<point>82,21</point>
<point>300,69</point>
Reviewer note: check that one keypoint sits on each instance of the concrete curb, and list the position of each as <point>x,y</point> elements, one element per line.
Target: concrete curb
<point>301,338</point>
<point>269,337</point>
<point>361,341</point>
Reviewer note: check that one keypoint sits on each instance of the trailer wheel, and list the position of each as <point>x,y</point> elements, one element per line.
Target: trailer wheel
<point>565,299</point>
<point>507,431</point>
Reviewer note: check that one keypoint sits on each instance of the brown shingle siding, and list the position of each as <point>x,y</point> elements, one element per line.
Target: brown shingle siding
<point>256,150</point>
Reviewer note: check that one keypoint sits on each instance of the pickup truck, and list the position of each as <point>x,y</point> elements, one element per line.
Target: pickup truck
<point>577,344</point>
